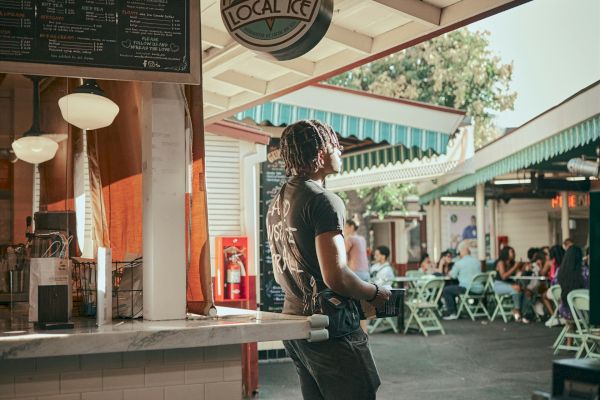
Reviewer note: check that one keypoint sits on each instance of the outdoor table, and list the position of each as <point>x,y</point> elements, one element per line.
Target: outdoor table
<point>528,278</point>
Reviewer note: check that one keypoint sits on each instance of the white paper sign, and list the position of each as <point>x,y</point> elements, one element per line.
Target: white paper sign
<point>104,279</point>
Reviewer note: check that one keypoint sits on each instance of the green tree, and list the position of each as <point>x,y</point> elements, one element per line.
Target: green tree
<point>455,70</point>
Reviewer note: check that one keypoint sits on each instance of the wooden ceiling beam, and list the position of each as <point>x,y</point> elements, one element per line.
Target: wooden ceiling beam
<point>353,40</point>
<point>300,66</point>
<point>417,10</point>
<point>243,81</point>
<point>215,37</point>
<point>216,100</point>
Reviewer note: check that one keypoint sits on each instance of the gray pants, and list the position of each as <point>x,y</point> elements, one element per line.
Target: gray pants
<point>340,368</point>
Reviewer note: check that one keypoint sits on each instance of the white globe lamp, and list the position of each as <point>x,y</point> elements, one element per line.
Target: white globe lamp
<point>88,107</point>
<point>34,147</point>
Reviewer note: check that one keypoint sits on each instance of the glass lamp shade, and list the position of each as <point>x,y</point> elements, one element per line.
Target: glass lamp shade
<point>35,149</point>
<point>88,110</point>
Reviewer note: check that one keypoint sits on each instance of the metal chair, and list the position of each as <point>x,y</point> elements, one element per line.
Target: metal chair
<point>473,302</point>
<point>504,303</point>
<point>555,292</point>
<point>422,309</point>
<point>579,303</point>
<point>574,331</point>
<point>488,290</point>
<point>389,321</point>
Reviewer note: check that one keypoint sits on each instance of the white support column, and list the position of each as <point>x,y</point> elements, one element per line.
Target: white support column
<point>250,175</point>
<point>480,204</point>
<point>493,233</point>
<point>564,215</point>
<point>164,187</point>
<point>436,212</point>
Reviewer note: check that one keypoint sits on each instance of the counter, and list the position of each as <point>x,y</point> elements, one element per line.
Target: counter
<point>194,358</point>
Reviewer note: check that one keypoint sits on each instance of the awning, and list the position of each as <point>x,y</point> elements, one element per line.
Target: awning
<point>365,116</point>
<point>384,156</point>
<point>568,139</point>
<point>376,169</point>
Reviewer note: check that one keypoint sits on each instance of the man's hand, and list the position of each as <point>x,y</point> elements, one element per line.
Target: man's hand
<point>383,296</point>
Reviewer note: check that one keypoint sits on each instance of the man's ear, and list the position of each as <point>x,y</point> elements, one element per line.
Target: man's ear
<point>321,158</point>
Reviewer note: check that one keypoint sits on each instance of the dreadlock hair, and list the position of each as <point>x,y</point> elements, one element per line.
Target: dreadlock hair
<point>301,143</point>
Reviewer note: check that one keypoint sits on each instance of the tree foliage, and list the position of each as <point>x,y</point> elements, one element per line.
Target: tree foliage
<point>456,70</point>
<point>382,200</point>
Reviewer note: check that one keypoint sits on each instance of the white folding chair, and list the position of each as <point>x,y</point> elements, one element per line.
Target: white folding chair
<point>422,309</point>
<point>574,330</point>
<point>474,302</point>
<point>579,302</point>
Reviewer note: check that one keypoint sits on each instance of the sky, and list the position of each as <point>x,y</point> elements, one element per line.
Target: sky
<point>555,48</point>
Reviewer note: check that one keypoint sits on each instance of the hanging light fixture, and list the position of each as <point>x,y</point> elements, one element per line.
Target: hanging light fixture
<point>34,147</point>
<point>88,107</point>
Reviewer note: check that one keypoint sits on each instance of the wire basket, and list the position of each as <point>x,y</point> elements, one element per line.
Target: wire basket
<point>127,294</point>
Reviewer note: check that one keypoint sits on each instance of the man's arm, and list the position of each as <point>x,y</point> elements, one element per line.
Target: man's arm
<point>331,252</point>
<point>455,270</point>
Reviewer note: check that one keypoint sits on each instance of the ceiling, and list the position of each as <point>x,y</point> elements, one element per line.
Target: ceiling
<point>235,78</point>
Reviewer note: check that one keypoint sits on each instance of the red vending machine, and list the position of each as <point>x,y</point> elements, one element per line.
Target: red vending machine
<point>231,263</point>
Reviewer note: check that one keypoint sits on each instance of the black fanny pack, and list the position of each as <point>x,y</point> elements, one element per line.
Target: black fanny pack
<point>343,313</point>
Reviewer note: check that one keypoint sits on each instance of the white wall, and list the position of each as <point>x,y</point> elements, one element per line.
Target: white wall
<point>223,188</point>
<point>232,191</point>
<point>525,222</point>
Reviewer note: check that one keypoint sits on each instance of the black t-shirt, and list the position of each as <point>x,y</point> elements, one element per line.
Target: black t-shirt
<point>309,211</point>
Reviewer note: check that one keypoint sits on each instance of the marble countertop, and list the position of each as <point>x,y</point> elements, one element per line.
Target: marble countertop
<point>231,326</point>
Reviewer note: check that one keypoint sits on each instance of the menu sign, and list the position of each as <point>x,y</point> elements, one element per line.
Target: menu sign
<point>272,176</point>
<point>140,35</point>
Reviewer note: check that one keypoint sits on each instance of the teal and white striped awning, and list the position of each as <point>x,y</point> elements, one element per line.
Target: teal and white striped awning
<point>568,139</point>
<point>347,125</point>
<point>384,156</point>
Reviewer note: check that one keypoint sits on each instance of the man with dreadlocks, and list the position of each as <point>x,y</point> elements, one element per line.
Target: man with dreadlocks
<point>305,226</point>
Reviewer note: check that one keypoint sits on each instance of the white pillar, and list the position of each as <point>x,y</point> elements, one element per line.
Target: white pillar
<point>250,175</point>
<point>164,187</point>
<point>564,215</point>
<point>480,204</point>
<point>436,214</point>
<point>493,233</point>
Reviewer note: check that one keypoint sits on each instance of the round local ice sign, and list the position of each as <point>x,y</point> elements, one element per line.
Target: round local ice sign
<point>285,29</point>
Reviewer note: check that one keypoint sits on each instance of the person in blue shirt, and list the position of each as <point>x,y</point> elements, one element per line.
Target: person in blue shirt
<point>470,231</point>
<point>464,270</point>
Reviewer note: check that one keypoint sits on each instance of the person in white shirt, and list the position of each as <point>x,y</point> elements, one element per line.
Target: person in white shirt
<point>382,272</point>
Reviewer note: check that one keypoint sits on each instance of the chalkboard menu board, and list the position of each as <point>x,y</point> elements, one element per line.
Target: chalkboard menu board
<point>272,176</point>
<point>145,36</point>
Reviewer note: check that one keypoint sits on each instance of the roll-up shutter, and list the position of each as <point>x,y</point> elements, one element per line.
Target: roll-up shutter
<point>223,187</point>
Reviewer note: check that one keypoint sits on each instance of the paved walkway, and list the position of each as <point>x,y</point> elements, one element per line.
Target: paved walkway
<point>473,361</point>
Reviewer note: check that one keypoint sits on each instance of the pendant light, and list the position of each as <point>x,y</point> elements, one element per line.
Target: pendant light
<point>88,107</point>
<point>33,147</point>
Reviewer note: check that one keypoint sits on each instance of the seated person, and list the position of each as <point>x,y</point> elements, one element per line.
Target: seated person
<point>506,266</point>
<point>464,270</point>
<point>427,266</point>
<point>445,263</point>
<point>382,272</point>
<point>533,268</point>
<point>573,274</point>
